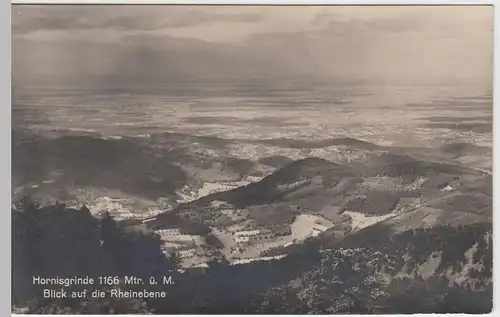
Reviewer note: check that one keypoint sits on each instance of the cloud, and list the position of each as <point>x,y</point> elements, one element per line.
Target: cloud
<point>27,19</point>
<point>378,44</point>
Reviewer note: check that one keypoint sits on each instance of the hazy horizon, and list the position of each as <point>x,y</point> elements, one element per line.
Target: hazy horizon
<point>117,45</point>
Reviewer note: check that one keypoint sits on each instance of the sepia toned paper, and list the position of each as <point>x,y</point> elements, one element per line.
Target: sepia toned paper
<point>251,159</point>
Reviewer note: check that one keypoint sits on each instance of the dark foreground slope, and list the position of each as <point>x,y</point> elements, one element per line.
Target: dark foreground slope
<point>376,270</point>
<point>55,241</point>
<point>440,269</point>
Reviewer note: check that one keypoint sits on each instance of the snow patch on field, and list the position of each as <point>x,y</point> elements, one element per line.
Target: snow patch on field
<point>188,194</point>
<point>429,267</point>
<point>360,221</point>
<point>306,226</point>
<point>117,208</point>
<point>264,258</point>
<point>448,188</point>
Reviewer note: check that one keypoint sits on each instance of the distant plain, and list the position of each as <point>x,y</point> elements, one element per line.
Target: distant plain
<point>385,115</point>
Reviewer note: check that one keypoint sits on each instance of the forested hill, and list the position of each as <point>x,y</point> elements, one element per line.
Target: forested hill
<point>440,269</point>
<point>56,241</point>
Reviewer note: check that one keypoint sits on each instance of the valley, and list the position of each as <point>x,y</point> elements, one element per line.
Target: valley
<point>211,197</point>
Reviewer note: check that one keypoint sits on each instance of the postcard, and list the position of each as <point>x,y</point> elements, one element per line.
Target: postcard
<point>208,159</point>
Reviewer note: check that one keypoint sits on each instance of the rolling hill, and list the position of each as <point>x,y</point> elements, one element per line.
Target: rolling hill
<point>429,230</point>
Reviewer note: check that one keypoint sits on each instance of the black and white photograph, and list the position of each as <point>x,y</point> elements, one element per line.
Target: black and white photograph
<point>251,159</point>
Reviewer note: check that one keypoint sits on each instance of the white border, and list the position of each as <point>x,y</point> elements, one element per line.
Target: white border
<point>260,2</point>
<point>5,71</point>
<point>5,139</point>
<point>496,156</point>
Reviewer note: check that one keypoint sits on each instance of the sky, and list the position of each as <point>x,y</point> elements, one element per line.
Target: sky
<point>164,44</point>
